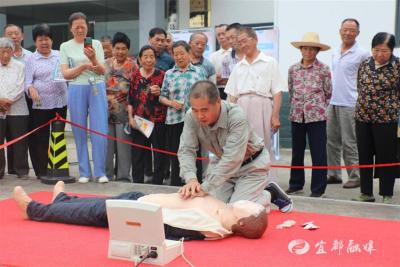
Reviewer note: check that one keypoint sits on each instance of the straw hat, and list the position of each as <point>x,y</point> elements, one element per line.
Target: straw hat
<point>311,39</point>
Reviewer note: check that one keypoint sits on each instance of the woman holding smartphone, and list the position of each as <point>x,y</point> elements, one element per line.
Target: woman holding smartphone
<point>82,63</point>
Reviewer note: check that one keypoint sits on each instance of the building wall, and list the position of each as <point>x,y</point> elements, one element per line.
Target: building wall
<point>242,11</point>
<point>5,3</point>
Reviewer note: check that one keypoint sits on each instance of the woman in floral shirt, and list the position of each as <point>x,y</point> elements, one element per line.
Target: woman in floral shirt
<point>310,90</point>
<point>119,70</point>
<point>143,102</point>
<point>376,117</point>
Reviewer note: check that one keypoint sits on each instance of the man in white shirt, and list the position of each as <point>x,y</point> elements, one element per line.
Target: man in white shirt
<point>217,57</point>
<point>14,32</point>
<point>13,109</point>
<point>236,54</point>
<point>256,84</point>
<point>341,136</point>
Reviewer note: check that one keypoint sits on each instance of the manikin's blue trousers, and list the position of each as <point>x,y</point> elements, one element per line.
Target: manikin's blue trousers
<point>74,210</point>
<point>84,102</point>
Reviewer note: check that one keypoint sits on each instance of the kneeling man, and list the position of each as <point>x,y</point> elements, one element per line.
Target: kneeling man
<point>239,168</point>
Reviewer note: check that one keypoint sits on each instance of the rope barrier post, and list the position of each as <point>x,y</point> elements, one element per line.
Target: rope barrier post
<point>58,166</point>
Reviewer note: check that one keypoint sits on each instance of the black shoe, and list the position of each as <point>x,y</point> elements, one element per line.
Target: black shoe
<point>292,191</point>
<point>279,198</point>
<point>124,180</point>
<point>317,195</point>
<point>351,184</point>
<point>333,180</point>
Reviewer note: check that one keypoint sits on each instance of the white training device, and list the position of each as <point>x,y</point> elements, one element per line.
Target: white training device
<point>136,229</point>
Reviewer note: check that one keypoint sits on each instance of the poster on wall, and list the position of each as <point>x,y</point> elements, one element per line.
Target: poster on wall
<point>268,41</point>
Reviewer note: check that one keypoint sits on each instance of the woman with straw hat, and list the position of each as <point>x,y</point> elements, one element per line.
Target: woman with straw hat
<point>310,88</point>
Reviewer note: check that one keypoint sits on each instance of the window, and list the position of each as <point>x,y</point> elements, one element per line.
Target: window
<point>200,13</point>
<point>106,18</point>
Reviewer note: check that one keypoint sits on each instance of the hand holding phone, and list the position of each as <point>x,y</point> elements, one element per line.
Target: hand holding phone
<point>87,43</point>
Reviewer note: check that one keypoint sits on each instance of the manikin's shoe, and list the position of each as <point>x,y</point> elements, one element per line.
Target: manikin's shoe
<point>279,197</point>
<point>58,188</point>
<point>22,200</point>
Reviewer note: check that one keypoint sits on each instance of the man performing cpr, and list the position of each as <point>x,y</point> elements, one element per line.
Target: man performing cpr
<point>239,168</point>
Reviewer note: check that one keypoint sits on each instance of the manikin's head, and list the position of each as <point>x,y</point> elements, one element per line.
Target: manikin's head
<point>249,219</point>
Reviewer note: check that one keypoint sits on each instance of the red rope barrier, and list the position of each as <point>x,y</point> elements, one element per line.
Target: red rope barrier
<point>59,118</point>
<point>379,165</point>
<point>27,134</point>
<point>123,141</point>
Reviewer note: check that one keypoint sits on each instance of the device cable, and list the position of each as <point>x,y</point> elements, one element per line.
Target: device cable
<point>151,254</point>
<point>183,256</point>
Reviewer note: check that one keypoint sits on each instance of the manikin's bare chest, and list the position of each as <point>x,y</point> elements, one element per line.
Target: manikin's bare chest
<point>207,204</point>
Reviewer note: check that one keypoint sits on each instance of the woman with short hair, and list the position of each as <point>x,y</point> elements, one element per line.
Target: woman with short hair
<point>144,102</point>
<point>49,97</point>
<point>376,115</point>
<point>83,65</point>
<point>119,71</point>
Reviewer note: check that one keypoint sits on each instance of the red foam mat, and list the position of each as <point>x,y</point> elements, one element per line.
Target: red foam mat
<point>340,241</point>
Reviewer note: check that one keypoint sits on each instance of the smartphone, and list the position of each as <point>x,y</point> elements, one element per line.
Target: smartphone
<point>87,43</point>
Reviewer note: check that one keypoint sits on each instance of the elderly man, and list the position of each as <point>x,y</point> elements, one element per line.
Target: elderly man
<point>175,95</point>
<point>13,109</point>
<point>236,54</point>
<point>341,137</point>
<point>198,43</point>
<point>238,169</point>
<point>256,85</point>
<point>157,38</point>
<point>169,42</point>
<point>14,32</point>
<point>217,57</point>
<point>106,43</point>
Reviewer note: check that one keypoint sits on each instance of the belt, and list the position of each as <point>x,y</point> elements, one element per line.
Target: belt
<point>252,157</point>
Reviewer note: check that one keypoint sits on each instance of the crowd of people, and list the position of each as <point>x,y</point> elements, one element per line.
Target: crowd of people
<point>350,110</point>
